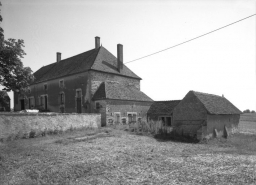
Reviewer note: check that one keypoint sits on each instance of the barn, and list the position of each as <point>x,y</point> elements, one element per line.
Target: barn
<point>205,115</point>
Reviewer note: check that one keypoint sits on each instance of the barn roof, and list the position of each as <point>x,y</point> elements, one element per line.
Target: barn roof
<point>163,107</point>
<point>96,59</point>
<point>4,94</point>
<point>117,91</point>
<point>215,104</point>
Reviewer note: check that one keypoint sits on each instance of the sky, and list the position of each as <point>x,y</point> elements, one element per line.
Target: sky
<point>221,63</point>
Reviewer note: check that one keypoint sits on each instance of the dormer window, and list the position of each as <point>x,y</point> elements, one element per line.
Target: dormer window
<point>61,83</point>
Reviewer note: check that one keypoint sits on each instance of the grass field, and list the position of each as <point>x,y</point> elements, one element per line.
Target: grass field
<point>111,156</point>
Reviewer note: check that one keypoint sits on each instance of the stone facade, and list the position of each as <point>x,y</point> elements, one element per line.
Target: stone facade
<point>121,111</point>
<point>68,86</point>
<point>201,115</point>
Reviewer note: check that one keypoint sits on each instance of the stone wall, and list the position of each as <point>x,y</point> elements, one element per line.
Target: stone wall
<point>219,122</point>
<point>24,125</point>
<point>189,115</point>
<point>71,84</point>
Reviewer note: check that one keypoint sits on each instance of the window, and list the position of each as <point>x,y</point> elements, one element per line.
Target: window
<point>29,90</point>
<point>132,117</point>
<point>123,120</point>
<point>117,117</point>
<point>61,83</point>
<point>97,105</point>
<point>45,86</point>
<point>31,102</point>
<point>78,93</point>
<point>62,98</point>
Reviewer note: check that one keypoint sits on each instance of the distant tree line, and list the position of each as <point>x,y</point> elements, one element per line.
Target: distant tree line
<point>248,111</point>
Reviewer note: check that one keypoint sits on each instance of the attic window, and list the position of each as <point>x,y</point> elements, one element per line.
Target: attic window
<point>61,83</point>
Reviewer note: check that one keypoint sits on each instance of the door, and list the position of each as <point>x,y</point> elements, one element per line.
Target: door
<point>45,103</point>
<point>29,103</point>
<point>78,105</point>
<point>22,104</point>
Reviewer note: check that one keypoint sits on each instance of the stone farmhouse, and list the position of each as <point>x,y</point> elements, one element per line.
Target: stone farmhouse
<point>5,97</point>
<point>91,82</point>
<point>205,115</point>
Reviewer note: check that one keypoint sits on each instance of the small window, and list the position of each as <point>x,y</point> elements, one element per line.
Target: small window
<point>123,120</point>
<point>45,86</point>
<point>97,105</point>
<point>61,83</point>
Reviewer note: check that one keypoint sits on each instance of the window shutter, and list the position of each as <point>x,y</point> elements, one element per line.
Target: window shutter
<point>64,98</point>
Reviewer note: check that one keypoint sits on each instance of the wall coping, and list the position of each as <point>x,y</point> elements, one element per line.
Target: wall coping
<point>44,114</point>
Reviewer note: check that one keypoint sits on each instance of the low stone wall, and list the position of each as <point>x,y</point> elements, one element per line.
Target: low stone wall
<point>25,125</point>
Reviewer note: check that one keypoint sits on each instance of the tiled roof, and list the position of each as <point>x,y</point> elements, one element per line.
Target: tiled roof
<point>115,90</point>
<point>216,104</point>
<point>163,107</point>
<point>107,62</point>
<point>4,94</point>
<point>96,59</point>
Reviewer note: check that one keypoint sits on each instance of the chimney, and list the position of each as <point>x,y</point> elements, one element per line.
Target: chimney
<point>119,57</point>
<point>58,56</point>
<point>97,42</point>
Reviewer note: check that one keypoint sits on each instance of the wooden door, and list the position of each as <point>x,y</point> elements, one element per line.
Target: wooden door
<point>45,102</point>
<point>22,104</point>
<point>78,105</point>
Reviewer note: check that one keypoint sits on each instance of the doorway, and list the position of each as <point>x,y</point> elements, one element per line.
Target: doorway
<point>78,105</point>
<point>22,104</point>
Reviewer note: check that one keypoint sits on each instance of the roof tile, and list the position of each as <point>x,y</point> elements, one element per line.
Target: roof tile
<point>115,90</point>
<point>216,104</point>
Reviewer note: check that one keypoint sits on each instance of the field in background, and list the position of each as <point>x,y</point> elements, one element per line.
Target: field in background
<point>111,156</point>
<point>247,123</point>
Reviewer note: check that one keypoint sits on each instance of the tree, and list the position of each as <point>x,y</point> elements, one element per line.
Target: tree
<point>246,111</point>
<point>13,76</point>
<point>252,111</point>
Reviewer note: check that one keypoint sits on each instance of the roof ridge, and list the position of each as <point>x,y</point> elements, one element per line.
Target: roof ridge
<point>207,94</point>
<point>167,100</point>
<point>77,55</point>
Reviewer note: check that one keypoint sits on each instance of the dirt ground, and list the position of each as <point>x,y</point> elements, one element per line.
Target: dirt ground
<point>111,156</point>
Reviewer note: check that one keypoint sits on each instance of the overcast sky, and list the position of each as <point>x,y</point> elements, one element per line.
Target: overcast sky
<point>220,63</point>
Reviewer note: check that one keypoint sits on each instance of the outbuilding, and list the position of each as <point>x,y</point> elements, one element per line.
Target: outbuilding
<point>205,115</point>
